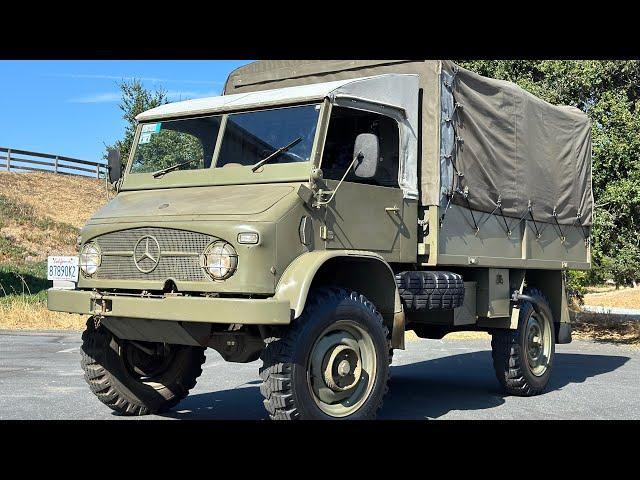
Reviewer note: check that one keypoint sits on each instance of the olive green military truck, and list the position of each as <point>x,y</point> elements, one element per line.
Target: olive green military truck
<point>316,212</point>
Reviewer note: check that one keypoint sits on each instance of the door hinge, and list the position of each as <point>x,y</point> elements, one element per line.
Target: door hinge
<point>325,233</point>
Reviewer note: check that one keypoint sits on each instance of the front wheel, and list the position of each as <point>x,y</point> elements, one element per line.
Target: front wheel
<point>331,363</point>
<point>523,358</point>
<point>138,378</point>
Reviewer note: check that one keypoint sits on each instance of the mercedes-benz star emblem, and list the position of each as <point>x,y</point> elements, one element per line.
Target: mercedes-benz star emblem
<point>146,254</point>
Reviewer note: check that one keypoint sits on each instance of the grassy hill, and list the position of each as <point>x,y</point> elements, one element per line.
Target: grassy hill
<point>40,215</point>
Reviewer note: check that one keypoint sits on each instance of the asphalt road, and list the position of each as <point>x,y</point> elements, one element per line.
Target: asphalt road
<point>40,378</point>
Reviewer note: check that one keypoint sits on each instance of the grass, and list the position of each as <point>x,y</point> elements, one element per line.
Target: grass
<point>605,328</point>
<point>40,215</point>
<point>22,313</point>
<point>621,298</point>
<point>23,280</point>
<point>26,237</point>
<point>23,301</point>
<point>70,200</point>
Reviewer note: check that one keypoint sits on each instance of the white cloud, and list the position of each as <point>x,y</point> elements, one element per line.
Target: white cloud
<point>129,77</point>
<point>172,95</point>
<point>97,98</point>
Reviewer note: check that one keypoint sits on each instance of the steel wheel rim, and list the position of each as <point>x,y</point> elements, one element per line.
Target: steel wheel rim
<point>538,345</point>
<point>342,368</point>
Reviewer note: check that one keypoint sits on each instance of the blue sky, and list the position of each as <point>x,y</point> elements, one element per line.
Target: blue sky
<point>70,108</point>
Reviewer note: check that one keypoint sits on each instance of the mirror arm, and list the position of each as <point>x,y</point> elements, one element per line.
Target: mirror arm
<point>321,203</point>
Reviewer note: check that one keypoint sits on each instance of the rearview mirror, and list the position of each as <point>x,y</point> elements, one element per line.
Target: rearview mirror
<point>367,152</point>
<point>114,165</point>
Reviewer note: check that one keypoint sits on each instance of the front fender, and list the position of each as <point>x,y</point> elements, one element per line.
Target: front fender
<point>296,280</point>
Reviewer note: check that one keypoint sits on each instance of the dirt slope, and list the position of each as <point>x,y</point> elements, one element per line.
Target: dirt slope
<point>41,213</point>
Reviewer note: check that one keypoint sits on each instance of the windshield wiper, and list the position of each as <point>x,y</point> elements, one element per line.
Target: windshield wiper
<point>162,171</point>
<point>276,153</point>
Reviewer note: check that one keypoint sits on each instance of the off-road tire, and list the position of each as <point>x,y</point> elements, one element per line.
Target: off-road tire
<point>430,290</point>
<point>508,352</point>
<point>110,380</point>
<point>285,390</point>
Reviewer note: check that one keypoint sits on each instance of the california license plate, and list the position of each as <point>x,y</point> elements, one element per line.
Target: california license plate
<point>62,268</point>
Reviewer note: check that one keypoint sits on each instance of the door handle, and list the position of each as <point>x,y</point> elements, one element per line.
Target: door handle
<point>393,209</point>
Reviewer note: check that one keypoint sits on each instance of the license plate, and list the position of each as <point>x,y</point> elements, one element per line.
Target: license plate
<point>62,268</point>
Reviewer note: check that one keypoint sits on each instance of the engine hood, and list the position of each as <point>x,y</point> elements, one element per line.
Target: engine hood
<point>233,200</point>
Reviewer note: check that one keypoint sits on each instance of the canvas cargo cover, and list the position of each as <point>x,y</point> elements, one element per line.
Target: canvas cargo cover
<point>483,141</point>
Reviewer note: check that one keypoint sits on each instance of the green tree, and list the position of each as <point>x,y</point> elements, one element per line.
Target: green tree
<point>135,100</point>
<point>609,92</point>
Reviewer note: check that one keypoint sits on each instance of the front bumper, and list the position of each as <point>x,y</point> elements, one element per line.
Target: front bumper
<point>179,309</point>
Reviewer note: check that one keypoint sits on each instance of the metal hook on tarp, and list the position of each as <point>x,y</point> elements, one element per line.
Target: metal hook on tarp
<point>465,194</point>
<point>584,235</point>
<point>535,225</point>
<point>555,217</point>
<point>456,106</point>
<point>449,194</point>
<point>499,207</point>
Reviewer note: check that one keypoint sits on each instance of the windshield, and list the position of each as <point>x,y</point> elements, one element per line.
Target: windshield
<point>248,138</point>
<point>252,136</point>
<point>164,144</point>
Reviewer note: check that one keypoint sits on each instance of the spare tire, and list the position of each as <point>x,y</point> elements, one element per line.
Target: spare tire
<point>430,290</point>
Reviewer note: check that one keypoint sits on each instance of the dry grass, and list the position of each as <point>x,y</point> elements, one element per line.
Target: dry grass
<point>64,199</point>
<point>605,328</point>
<point>35,244</point>
<point>22,314</point>
<point>411,336</point>
<point>622,298</point>
<point>41,214</point>
<point>596,327</point>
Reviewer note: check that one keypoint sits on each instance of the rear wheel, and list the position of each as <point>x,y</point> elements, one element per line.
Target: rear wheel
<point>331,363</point>
<point>523,358</point>
<point>138,378</point>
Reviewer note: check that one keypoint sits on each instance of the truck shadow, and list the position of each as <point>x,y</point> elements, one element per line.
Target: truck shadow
<point>420,390</point>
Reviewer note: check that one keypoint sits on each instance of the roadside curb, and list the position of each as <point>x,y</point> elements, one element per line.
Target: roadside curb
<point>626,313</point>
<point>34,333</point>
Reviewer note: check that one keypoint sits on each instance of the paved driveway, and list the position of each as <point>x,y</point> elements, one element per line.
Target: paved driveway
<point>40,378</point>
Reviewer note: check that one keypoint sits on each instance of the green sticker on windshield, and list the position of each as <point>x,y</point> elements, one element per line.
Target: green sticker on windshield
<point>148,130</point>
<point>151,128</point>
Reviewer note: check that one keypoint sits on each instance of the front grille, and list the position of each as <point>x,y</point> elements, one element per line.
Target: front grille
<point>179,255</point>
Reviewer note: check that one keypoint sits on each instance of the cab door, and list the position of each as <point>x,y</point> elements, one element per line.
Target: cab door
<point>365,214</point>
<point>365,217</point>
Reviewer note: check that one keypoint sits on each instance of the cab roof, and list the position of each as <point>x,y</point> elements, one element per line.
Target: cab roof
<point>244,101</point>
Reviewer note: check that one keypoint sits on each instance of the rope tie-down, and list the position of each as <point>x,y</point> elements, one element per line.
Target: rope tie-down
<point>587,238</point>
<point>498,208</point>
<point>535,224</point>
<point>561,233</point>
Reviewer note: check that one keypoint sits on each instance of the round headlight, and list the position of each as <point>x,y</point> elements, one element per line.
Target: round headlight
<point>90,258</point>
<point>220,260</point>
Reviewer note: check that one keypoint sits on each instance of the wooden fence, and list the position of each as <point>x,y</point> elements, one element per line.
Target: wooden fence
<point>14,160</point>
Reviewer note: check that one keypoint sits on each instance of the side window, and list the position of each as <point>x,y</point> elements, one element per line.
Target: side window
<point>345,125</point>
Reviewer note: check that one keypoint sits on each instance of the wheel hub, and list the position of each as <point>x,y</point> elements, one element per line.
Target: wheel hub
<point>537,345</point>
<point>144,365</point>
<point>343,368</point>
